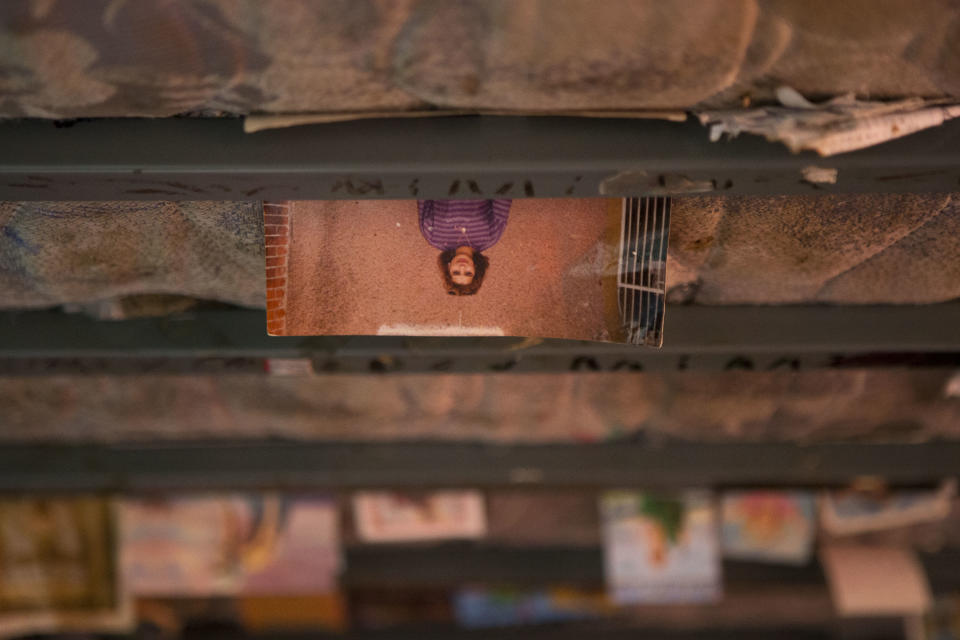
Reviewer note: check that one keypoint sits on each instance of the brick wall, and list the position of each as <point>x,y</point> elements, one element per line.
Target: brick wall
<point>276,236</point>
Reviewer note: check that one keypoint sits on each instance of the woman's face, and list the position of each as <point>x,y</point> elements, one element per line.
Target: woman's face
<point>461,269</point>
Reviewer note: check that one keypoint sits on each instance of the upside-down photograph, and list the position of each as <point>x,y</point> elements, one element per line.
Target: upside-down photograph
<point>585,269</point>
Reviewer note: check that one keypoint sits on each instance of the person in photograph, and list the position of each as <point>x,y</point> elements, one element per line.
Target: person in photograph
<point>461,230</point>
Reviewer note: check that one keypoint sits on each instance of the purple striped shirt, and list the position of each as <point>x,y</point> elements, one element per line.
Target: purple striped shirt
<point>448,224</point>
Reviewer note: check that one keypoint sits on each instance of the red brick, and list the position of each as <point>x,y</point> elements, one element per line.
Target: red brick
<point>276,282</point>
<point>275,229</point>
<point>276,272</point>
<point>273,251</point>
<point>276,261</point>
<point>274,218</point>
<point>274,294</point>
<point>275,328</point>
<point>278,314</point>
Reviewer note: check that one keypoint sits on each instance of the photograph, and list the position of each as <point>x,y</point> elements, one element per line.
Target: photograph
<point>229,544</point>
<point>661,549</point>
<point>583,269</point>
<point>768,526</point>
<point>58,558</point>
<point>391,516</point>
<point>851,512</point>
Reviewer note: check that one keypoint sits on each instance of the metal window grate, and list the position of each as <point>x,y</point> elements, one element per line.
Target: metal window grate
<point>642,268</point>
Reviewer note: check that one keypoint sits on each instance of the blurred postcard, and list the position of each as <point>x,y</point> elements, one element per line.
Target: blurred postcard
<point>584,269</point>
<point>852,512</point>
<point>873,581</point>
<point>661,549</point>
<point>477,607</point>
<point>387,516</point>
<point>233,544</point>
<point>768,526</point>
<point>59,568</point>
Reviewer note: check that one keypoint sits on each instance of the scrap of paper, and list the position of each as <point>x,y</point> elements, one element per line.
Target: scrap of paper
<point>388,516</point>
<point>875,581</point>
<point>660,549</point>
<point>835,126</point>
<point>852,512</point>
<point>768,526</point>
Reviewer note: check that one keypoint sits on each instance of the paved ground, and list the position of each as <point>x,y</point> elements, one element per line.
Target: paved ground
<point>362,267</point>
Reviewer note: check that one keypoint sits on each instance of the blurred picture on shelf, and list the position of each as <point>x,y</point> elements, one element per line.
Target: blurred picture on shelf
<point>768,526</point>
<point>393,516</point>
<point>661,549</point>
<point>58,567</point>
<point>853,511</point>
<point>230,544</point>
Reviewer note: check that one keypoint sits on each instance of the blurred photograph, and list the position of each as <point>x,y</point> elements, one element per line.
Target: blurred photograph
<point>58,559</point>
<point>394,516</point>
<point>768,526</point>
<point>660,549</point>
<point>230,544</point>
<point>850,512</point>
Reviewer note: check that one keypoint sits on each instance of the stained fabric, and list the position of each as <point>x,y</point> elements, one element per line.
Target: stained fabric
<point>78,253</point>
<point>61,59</point>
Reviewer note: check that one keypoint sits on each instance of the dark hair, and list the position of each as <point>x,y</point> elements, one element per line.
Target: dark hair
<point>480,264</point>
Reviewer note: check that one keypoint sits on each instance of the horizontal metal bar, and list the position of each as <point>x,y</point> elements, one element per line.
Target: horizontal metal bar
<point>455,157</point>
<point>712,338</point>
<point>600,629</point>
<point>455,564</point>
<point>239,465</point>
